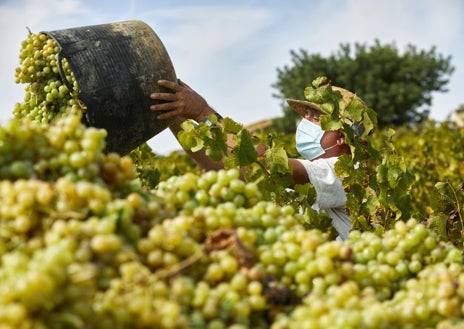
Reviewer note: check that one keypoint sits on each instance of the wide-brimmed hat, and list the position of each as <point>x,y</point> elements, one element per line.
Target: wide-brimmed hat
<point>301,106</point>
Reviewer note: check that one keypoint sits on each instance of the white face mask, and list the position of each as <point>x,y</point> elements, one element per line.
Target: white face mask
<point>308,140</point>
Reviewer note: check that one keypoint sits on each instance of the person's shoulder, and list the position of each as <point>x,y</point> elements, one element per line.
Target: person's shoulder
<point>324,161</point>
<point>330,159</point>
<point>319,164</point>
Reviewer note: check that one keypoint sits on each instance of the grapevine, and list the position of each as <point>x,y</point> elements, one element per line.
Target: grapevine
<point>90,240</point>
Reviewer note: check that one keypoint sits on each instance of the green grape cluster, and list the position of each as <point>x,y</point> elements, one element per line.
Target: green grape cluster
<point>65,148</point>
<point>211,189</point>
<point>61,243</point>
<point>403,279</point>
<point>46,96</point>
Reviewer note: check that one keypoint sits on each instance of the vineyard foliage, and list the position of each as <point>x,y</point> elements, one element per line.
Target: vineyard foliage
<point>90,239</point>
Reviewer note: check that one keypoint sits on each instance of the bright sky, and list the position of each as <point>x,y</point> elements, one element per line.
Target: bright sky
<point>229,50</point>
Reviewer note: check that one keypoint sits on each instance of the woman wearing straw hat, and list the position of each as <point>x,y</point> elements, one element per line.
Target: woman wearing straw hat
<point>319,148</point>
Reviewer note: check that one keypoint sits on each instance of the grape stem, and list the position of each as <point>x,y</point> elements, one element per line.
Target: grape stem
<point>174,270</point>
<point>220,239</point>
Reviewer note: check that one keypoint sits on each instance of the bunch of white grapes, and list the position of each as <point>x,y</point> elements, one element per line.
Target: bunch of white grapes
<point>403,279</point>
<point>46,96</point>
<point>66,148</point>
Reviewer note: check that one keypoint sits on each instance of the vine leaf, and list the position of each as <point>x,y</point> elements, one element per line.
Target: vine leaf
<point>218,144</point>
<point>245,153</point>
<point>277,160</point>
<point>189,138</point>
<point>231,127</point>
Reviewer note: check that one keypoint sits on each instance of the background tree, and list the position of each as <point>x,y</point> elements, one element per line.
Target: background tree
<point>397,86</point>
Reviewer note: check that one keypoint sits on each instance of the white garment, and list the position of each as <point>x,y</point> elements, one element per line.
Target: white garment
<point>331,197</point>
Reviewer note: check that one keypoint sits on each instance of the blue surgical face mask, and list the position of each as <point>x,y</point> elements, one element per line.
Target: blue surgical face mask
<point>308,140</point>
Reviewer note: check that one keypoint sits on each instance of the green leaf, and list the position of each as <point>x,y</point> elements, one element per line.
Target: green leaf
<point>390,133</point>
<point>382,173</point>
<point>190,141</point>
<point>354,110</point>
<point>320,81</point>
<point>438,224</point>
<point>214,153</point>
<point>343,166</point>
<point>245,152</point>
<point>230,126</point>
<point>318,95</point>
<point>218,144</point>
<point>328,124</point>
<point>188,136</point>
<point>369,121</point>
<point>277,160</point>
<point>393,175</point>
<point>307,194</point>
<point>441,187</point>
